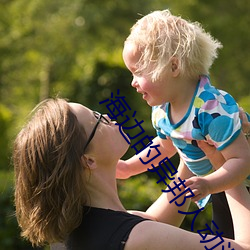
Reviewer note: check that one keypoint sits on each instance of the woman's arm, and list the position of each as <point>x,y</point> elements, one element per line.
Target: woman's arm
<point>239,203</point>
<point>160,236</point>
<point>164,211</point>
<point>215,157</point>
<point>235,169</point>
<point>232,162</point>
<point>161,210</point>
<point>154,235</point>
<point>167,212</point>
<point>233,172</point>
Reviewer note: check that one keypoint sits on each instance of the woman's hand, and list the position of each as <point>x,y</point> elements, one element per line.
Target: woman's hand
<point>199,185</point>
<point>245,124</point>
<point>214,156</point>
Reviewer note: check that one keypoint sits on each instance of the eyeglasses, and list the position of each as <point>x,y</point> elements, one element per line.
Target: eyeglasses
<point>100,118</point>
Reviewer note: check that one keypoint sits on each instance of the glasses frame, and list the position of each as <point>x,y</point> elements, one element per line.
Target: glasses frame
<point>100,118</point>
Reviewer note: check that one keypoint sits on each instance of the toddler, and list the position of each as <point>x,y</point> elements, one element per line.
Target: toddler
<point>170,59</point>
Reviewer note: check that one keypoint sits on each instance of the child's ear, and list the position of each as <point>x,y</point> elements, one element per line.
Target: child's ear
<point>175,66</point>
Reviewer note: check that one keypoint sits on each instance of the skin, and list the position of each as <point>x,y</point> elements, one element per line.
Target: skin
<point>245,122</point>
<point>153,235</point>
<point>102,159</point>
<point>168,89</point>
<point>215,157</point>
<point>178,91</point>
<point>99,158</point>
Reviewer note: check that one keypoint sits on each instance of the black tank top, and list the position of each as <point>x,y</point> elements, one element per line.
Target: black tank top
<point>102,229</point>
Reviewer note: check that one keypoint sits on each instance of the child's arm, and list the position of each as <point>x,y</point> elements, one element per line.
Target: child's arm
<point>134,166</point>
<point>167,212</point>
<point>215,157</point>
<point>233,172</point>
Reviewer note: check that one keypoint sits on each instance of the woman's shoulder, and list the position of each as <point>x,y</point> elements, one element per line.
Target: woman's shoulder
<point>110,227</point>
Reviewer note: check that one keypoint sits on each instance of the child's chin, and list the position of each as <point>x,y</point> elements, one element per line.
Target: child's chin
<point>149,102</point>
<point>152,103</point>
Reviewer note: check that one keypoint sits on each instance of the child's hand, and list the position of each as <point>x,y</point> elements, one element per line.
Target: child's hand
<point>122,170</point>
<point>199,186</point>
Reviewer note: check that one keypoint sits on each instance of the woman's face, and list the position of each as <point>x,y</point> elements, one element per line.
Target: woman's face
<point>107,141</point>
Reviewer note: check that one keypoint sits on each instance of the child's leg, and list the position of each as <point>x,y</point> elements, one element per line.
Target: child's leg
<point>222,215</point>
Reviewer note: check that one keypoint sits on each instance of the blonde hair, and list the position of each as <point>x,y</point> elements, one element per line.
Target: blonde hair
<point>49,182</point>
<point>160,36</point>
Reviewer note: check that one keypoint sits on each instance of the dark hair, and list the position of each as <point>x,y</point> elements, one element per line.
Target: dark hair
<point>49,180</point>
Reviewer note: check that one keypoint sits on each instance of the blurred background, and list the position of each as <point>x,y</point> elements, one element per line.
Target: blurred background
<point>72,48</point>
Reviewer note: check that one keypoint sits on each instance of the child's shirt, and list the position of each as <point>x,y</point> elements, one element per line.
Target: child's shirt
<point>213,115</point>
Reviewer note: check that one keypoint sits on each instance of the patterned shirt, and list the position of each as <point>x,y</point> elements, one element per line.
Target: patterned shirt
<point>213,115</point>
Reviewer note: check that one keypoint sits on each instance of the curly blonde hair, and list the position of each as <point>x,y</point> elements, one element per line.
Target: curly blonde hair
<point>49,181</point>
<point>160,36</point>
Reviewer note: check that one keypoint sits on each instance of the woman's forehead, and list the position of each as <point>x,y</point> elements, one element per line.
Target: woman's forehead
<point>84,115</point>
<point>78,108</point>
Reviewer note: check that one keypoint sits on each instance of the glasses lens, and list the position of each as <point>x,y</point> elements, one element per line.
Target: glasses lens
<point>99,116</point>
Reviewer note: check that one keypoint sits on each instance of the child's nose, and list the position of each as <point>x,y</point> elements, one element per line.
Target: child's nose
<point>134,83</point>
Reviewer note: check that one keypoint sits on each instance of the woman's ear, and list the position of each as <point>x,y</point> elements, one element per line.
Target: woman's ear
<point>175,66</point>
<point>90,161</point>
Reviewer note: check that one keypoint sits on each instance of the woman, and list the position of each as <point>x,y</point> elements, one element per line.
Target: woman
<point>65,188</point>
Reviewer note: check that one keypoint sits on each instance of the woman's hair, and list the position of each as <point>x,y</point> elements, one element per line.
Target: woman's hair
<point>160,36</point>
<point>49,181</point>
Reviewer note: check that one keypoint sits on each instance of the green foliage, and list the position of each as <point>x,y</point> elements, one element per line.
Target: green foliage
<point>136,193</point>
<point>245,103</point>
<point>205,216</point>
<point>5,124</point>
<point>73,48</point>
<point>228,22</point>
<point>9,231</point>
<point>139,192</point>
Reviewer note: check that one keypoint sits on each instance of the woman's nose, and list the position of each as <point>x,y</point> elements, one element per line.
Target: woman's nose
<point>108,118</point>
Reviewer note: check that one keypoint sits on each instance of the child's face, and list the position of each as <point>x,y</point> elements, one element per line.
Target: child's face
<point>154,93</point>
